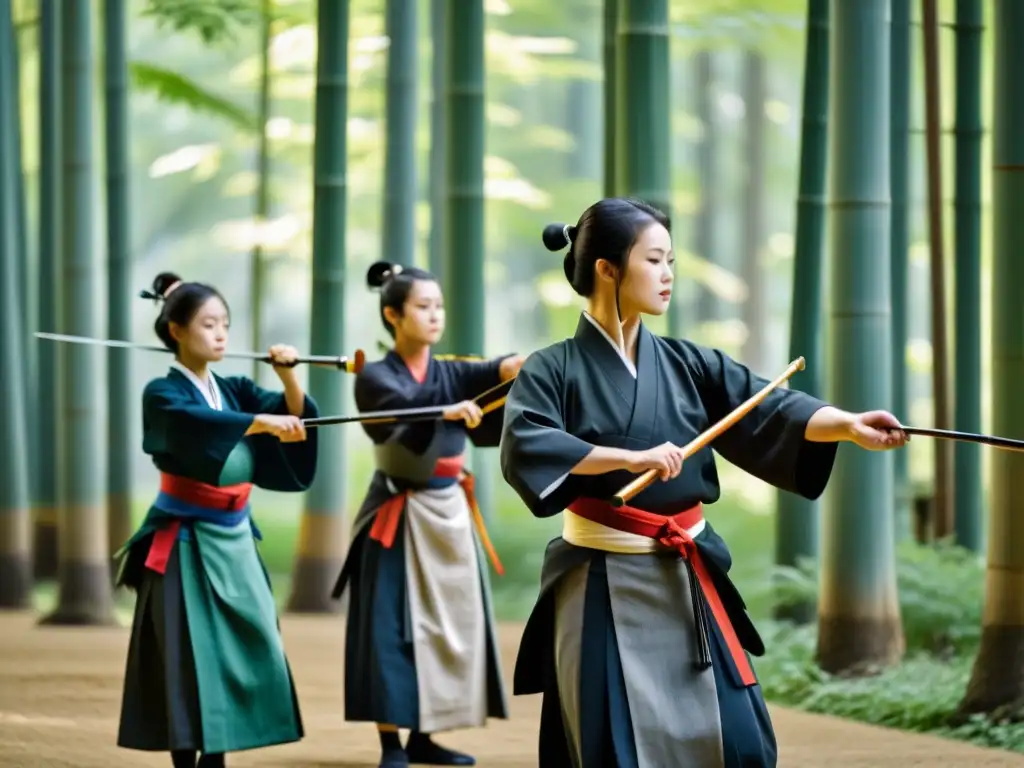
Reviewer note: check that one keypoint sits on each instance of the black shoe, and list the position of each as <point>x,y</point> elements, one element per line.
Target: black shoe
<point>393,758</point>
<point>420,750</point>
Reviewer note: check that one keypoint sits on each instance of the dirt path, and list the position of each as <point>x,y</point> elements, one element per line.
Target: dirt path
<point>60,696</point>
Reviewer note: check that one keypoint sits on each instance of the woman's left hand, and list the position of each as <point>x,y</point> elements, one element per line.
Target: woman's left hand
<point>877,431</point>
<point>509,367</point>
<point>282,356</point>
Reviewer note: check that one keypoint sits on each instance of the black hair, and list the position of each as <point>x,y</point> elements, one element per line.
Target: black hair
<point>395,282</point>
<point>181,301</point>
<point>607,230</point>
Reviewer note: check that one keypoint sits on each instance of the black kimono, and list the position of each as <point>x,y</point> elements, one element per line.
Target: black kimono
<point>635,655</point>
<point>421,648</point>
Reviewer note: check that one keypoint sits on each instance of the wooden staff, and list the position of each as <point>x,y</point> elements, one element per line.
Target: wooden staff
<point>1004,443</point>
<point>408,415</point>
<point>627,492</point>
<point>341,363</point>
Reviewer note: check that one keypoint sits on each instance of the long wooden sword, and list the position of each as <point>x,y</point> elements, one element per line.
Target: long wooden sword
<point>630,490</point>
<point>341,363</point>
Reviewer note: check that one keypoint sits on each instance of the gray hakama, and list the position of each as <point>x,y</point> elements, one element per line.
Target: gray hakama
<point>421,649</point>
<point>634,670</point>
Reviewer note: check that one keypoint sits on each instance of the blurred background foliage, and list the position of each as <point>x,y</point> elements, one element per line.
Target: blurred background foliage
<point>195,78</point>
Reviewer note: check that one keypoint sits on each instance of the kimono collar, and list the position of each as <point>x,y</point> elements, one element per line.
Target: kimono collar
<point>417,368</point>
<point>208,389</point>
<point>618,351</point>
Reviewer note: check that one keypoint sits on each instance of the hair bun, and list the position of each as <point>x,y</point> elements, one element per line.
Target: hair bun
<point>380,272</point>
<point>164,282</point>
<point>558,236</point>
<point>162,285</point>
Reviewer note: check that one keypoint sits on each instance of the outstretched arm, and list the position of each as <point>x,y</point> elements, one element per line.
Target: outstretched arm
<point>789,440</point>
<point>776,441</point>
<point>871,430</point>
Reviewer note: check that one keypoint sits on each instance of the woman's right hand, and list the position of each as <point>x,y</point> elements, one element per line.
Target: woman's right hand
<point>666,459</point>
<point>466,411</point>
<point>287,429</point>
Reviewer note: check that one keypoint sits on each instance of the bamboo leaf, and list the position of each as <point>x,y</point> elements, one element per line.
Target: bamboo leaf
<point>175,88</point>
<point>213,20</point>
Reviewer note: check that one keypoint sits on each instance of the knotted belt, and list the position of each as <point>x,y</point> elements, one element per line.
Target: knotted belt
<point>183,498</point>
<point>389,514</point>
<point>671,532</point>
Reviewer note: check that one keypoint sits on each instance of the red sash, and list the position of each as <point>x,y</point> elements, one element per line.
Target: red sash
<point>230,498</point>
<point>671,532</point>
<point>389,514</point>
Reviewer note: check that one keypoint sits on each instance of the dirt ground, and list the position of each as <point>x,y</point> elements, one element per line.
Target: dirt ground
<point>60,695</point>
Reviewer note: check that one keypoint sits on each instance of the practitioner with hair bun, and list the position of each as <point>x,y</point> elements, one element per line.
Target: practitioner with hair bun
<point>206,672</point>
<point>421,651</point>
<point>639,641</point>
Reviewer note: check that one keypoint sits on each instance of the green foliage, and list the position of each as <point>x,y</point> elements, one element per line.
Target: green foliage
<point>941,592</point>
<point>214,21</point>
<point>176,88</point>
<point>941,596</point>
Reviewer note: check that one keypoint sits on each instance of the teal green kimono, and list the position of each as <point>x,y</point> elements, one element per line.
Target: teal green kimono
<point>206,667</point>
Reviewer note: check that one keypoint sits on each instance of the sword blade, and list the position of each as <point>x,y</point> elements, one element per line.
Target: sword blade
<point>98,342</point>
<point>341,362</point>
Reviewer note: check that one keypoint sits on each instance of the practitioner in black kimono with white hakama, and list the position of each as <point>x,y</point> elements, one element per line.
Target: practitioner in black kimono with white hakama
<point>639,640</point>
<point>421,647</point>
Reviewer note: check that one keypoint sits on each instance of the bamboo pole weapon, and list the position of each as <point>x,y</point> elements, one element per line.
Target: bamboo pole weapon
<point>702,440</point>
<point>630,490</point>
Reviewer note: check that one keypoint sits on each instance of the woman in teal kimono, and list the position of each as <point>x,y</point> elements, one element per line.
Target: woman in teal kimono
<point>206,670</point>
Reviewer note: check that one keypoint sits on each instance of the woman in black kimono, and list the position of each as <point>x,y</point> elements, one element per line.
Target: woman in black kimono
<point>206,669</point>
<point>421,651</point>
<point>638,639</point>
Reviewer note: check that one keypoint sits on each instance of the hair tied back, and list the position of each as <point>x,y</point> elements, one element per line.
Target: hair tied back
<point>156,298</point>
<point>558,236</point>
<point>381,272</point>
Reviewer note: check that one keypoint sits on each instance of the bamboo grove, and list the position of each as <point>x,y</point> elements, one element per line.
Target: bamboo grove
<point>65,506</point>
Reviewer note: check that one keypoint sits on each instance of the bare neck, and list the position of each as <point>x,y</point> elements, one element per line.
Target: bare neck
<point>412,351</point>
<point>198,367</point>
<point>623,331</point>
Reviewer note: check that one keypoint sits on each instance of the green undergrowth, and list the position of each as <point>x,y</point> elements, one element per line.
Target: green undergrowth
<point>941,598</point>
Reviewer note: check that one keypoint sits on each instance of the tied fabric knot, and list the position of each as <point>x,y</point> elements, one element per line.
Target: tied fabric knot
<point>674,536</point>
<point>672,533</point>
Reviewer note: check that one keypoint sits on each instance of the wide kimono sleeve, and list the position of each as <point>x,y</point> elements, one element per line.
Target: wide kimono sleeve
<point>282,467</point>
<point>769,441</point>
<point>194,437</point>
<point>376,390</point>
<point>470,379</point>
<point>537,454</point>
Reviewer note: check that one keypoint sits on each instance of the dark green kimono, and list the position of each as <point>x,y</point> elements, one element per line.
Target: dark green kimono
<point>206,667</point>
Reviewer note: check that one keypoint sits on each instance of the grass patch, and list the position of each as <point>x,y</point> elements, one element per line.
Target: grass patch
<point>941,599</point>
